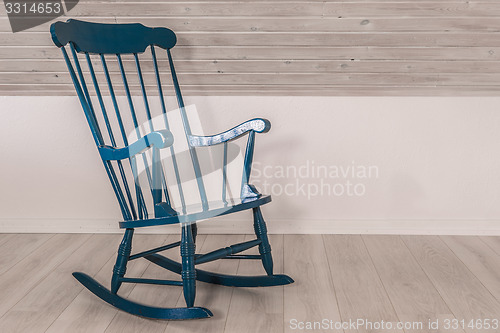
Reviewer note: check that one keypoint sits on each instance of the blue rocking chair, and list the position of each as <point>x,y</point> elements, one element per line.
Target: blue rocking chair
<point>103,47</point>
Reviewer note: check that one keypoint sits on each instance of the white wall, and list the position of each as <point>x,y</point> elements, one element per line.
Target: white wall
<point>435,165</point>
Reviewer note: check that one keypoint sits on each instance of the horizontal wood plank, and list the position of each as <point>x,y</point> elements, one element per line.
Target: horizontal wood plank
<point>40,53</point>
<point>339,39</point>
<point>290,25</point>
<point>298,79</point>
<point>276,90</point>
<point>267,47</point>
<point>270,66</point>
<point>287,8</point>
<point>322,24</point>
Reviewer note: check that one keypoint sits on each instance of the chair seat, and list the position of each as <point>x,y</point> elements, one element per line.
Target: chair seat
<point>194,213</point>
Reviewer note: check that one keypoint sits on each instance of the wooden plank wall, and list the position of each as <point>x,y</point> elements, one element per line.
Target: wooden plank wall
<point>343,47</point>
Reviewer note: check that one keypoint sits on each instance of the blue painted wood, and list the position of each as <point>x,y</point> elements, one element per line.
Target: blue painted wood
<point>194,230</point>
<point>152,281</point>
<point>141,207</point>
<point>110,133</point>
<point>157,172</point>
<point>224,175</point>
<point>96,135</point>
<point>113,96</point>
<point>158,139</point>
<point>202,215</point>
<point>167,126</point>
<point>244,256</point>
<point>163,209</point>
<point>187,130</point>
<point>258,125</point>
<point>188,272</point>
<point>121,260</point>
<point>248,191</point>
<point>140,202</point>
<point>84,86</point>
<point>155,250</point>
<point>114,42</point>
<point>159,168</point>
<point>226,251</point>
<point>99,96</point>
<point>102,38</point>
<point>143,90</point>
<point>140,309</point>
<point>260,228</point>
<point>223,279</point>
<point>118,192</point>
<point>134,117</point>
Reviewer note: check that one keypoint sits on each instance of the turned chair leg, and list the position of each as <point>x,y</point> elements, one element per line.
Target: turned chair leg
<point>121,260</point>
<point>188,272</point>
<point>260,228</point>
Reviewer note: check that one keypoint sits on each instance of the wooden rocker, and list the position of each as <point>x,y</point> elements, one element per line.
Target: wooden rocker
<point>99,57</point>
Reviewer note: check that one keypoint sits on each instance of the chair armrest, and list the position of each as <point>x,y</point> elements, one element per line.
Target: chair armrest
<point>258,125</point>
<point>158,139</point>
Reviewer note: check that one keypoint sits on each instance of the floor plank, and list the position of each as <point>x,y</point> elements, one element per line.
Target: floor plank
<point>360,292</point>
<point>312,296</point>
<point>258,309</point>
<point>54,293</point>
<point>465,295</point>
<point>481,260</point>
<point>17,247</point>
<point>21,278</point>
<point>6,237</point>
<point>413,295</point>
<point>493,242</point>
<point>390,278</point>
<point>87,313</point>
<point>214,297</point>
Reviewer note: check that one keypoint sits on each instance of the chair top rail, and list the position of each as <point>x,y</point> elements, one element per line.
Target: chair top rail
<point>125,38</point>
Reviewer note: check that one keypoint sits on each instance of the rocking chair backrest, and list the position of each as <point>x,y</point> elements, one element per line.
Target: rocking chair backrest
<point>101,43</point>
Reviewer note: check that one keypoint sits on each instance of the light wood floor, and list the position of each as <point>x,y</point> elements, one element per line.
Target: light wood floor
<point>338,278</point>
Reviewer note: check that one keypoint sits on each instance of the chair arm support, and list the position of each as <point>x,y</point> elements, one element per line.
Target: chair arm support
<point>258,125</point>
<point>158,139</point>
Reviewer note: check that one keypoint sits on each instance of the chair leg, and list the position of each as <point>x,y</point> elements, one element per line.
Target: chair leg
<point>188,272</point>
<point>121,260</point>
<point>194,230</point>
<point>260,228</point>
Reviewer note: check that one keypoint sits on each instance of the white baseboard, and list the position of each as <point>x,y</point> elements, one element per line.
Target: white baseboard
<point>403,227</point>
